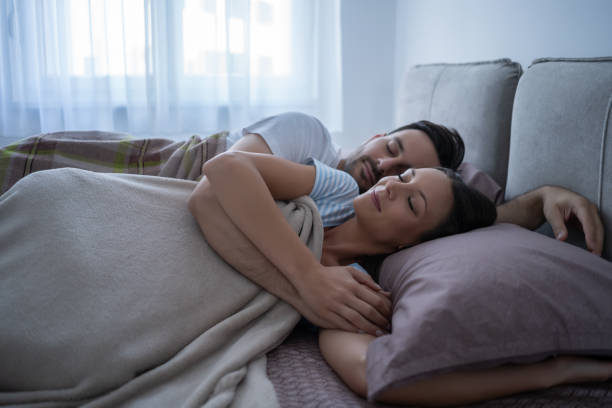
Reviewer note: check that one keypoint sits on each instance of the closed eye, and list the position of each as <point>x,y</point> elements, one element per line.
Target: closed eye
<point>411,206</point>
<point>403,174</point>
<point>393,147</point>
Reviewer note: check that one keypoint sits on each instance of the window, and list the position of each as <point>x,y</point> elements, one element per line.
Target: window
<point>176,65</point>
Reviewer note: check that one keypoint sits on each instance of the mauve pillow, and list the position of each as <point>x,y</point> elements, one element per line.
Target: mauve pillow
<point>481,181</point>
<point>495,295</point>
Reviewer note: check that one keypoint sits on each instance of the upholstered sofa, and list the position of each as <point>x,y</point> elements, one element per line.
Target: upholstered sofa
<point>546,124</point>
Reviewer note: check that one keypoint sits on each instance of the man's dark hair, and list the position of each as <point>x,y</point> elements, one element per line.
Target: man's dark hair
<point>471,209</point>
<point>447,142</point>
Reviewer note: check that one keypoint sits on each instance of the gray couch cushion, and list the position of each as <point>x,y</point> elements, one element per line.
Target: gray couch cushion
<point>561,132</point>
<point>474,98</point>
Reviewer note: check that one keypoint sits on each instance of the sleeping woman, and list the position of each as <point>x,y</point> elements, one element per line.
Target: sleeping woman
<point>398,211</point>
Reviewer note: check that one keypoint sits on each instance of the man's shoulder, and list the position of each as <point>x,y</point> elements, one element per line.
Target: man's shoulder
<point>301,120</point>
<point>296,116</point>
<point>295,121</point>
<point>296,136</point>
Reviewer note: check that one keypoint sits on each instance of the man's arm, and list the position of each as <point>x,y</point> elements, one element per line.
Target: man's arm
<point>555,205</point>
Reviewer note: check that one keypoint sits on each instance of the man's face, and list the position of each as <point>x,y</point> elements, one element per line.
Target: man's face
<point>387,155</point>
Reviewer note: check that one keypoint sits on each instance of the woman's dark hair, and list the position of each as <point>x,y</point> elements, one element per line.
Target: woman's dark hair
<point>471,209</point>
<point>447,142</point>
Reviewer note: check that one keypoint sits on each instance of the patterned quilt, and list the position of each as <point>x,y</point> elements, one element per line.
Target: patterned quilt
<point>108,153</point>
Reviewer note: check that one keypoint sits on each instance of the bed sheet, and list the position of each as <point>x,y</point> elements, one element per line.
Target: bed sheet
<point>302,379</point>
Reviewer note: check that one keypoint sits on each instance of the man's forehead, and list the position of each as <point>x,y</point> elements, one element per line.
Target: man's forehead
<point>411,136</point>
<point>417,147</point>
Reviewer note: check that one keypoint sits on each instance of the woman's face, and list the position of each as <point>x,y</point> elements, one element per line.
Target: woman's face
<point>397,210</point>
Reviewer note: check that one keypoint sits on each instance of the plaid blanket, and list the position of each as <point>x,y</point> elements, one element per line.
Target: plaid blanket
<point>108,152</point>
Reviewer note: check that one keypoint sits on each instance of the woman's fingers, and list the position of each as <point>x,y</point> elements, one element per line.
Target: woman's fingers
<point>376,297</point>
<point>359,322</point>
<point>329,320</point>
<point>364,279</point>
<point>342,323</point>
<point>343,297</point>
<point>375,317</point>
<point>374,306</point>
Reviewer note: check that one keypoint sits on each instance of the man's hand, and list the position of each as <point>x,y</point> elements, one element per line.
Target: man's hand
<point>555,205</point>
<point>344,298</point>
<point>559,204</point>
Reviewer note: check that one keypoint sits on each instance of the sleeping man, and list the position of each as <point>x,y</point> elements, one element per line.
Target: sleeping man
<point>358,304</point>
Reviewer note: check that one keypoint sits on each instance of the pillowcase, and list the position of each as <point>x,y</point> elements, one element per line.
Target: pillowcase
<point>481,181</point>
<point>495,295</point>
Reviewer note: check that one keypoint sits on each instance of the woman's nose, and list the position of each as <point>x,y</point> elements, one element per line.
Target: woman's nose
<point>396,188</point>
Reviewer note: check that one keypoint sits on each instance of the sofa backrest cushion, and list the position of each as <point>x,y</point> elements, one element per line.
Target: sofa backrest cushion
<point>562,133</point>
<point>474,98</point>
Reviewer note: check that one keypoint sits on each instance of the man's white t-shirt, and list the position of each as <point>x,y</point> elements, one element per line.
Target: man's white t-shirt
<point>294,136</point>
<point>297,137</point>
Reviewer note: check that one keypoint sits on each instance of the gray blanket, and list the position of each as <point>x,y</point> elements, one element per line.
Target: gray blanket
<point>110,296</point>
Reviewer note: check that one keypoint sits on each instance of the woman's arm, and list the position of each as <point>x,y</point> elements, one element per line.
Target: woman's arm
<point>245,185</point>
<point>227,240</point>
<point>346,353</point>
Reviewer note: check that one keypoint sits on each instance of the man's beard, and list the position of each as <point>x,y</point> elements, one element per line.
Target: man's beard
<point>351,163</point>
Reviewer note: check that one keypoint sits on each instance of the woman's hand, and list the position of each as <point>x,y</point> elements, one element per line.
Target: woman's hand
<point>343,297</point>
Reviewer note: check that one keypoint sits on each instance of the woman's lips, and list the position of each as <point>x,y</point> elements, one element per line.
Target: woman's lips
<point>375,199</point>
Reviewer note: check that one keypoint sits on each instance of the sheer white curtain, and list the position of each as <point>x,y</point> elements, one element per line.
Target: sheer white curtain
<point>166,67</point>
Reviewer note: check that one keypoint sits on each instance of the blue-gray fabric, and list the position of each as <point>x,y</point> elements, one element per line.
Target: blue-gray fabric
<point>561,133</point>
<point>474,98</point>
<point>333,193</point>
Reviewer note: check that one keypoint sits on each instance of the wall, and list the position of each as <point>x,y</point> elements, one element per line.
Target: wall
<point>430,31</point>
<point>368,44</point>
